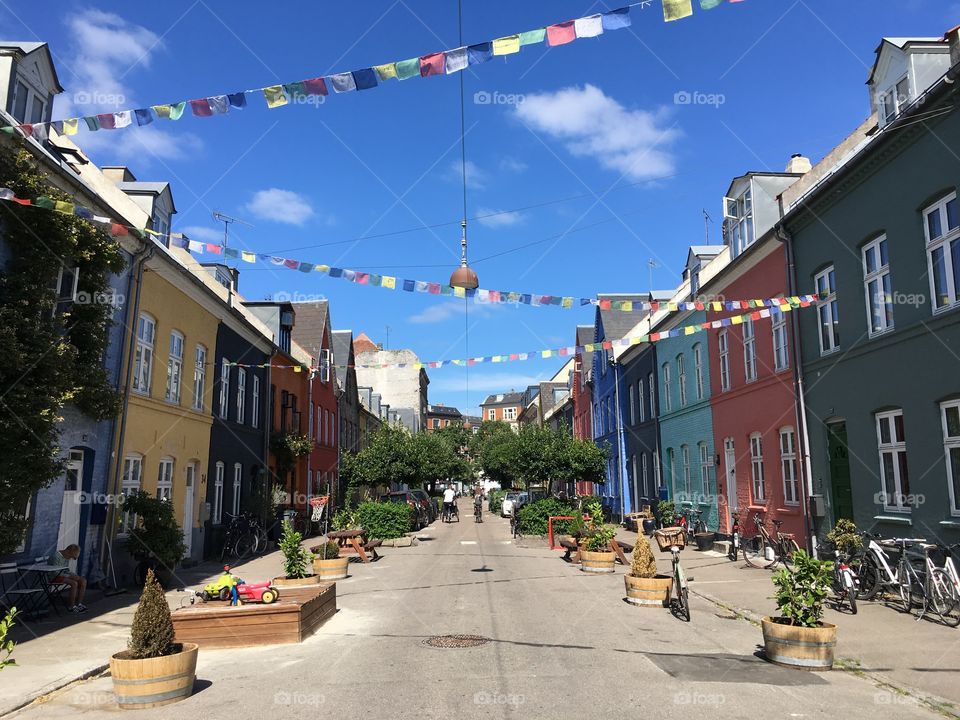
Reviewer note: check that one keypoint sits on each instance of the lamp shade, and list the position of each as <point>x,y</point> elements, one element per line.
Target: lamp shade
<point>464,277</point>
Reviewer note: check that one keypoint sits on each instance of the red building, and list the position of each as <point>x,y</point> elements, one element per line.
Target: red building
<point>582,392</point>
<point>289,390</point>
<point>755,421</point>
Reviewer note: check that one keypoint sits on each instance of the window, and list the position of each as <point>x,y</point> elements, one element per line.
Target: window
<point>130,485</point>
<point>242,395</point>
<point>876,282</point>
<point>826,286</point>
<point>655,457</point>
<point>217,514</point>
<point>698,369</point>
<point>780,359</point>
<point>667,400</point>
<point>436,424</point>
<point>174,368</point>
<point>749,350</point>
<point>788,464</point>
<point>165,479</point>
<point>685,455</point>
<point>951,446</point>
<point>36,116</point>
<point>324,366</point>
<point>942,230</point>
<point>704,469</point>
<point>672,467</point>
<point>491,414</point>
<point>892,446</point>
<point>224,387</point>
<point>641,401</point>
<point>756,469</point>
<point>894,100</point>
<point>20,104</point>
<point>66,289</point>
<point>682,380</point>
<point>739,214</point>
<point>199,377</point>
<point>724,345</point>
<point>162,228</point>
<point>510,413</point>
<point>645,480</point>
<point>237,484</point>
<point>143,360</point>
<point>255,403</point>
<point>633,405</point>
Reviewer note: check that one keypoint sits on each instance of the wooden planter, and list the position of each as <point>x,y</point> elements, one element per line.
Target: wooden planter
<point>294,617</point>
<point>597,562</point>
<point>335,569</point>
<point>153,682</point>
<point>799,647</point>
<point>649,592</point>
<point>282,582</point>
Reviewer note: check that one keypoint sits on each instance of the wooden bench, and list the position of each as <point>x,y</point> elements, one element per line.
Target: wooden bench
<point>572,554</point>
<point>371,547</point>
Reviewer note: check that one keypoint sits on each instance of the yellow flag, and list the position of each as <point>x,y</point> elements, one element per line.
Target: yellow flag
<point>297,368</point>
<point>322,268</point>
<point>627,306</point>
<point>506,45</point>
<point>567,303</point>
<point>672,307</point>
<point>677,9</point>
<point>71,126</point>
<point>63,207</point>
<point>689,330</point>
<point>385,72</point>
<point>248,256</point>
<point>717,307</point>
<point>545,353</point>
<point>162,111</point>
<point>274,96</point>
<point>388,282</point>
<point>459,291</point>
<point>736,320</point>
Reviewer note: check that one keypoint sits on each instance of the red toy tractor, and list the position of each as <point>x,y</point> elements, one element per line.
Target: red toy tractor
<point>230,587</point>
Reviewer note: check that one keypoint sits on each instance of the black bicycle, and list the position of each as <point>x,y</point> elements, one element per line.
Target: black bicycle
<point>515,524</point>
<point>477,512</point>
<point>451,512</point>
<point>243,538</point>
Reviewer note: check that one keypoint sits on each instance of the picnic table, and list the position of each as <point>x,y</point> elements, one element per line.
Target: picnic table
<point>355,541</point>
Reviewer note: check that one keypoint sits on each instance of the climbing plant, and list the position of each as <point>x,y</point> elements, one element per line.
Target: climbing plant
<point>49,358</point>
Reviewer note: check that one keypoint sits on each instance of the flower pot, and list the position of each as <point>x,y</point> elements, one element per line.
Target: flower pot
<point>156,681</point>
<point>705,540</point>
<point>649,592</point>
<point>335,569</point>
<point>649,525</point>
<point>799,647</point>
<point>596,562</point>
<point>296,582</point>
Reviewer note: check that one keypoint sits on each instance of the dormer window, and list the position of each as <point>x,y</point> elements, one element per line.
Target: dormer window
<point>738,212</point>
<point>20,102</point>
<point>162,226</point>
<point>694,280</point>
<point>894,100</point>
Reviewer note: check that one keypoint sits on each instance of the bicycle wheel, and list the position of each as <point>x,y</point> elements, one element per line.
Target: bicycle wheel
<point>245,545</point>
<point>944,597</point>
<point>262,540</point>
<point>227,549</point>
<point>683,597</point>
<point>865,568</point>
<point>788,546</point>
<point>852,600</point>
<point>755,552</point>
<point>905,586</point>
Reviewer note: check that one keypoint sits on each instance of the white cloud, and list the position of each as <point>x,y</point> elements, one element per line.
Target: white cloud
<point>199,232</point>
<point>140,144</point>
<point>634,143</point>
<point>284,206</point>
<point>476,176</point>
<point>445,310</point>
<point>498,220</point>
<point>512,165</point>
<point>445,381</point>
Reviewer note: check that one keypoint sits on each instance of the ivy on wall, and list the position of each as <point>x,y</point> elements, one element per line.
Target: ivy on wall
<point>49,359</point>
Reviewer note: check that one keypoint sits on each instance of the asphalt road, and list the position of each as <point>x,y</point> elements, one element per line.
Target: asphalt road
<point>562,644</point>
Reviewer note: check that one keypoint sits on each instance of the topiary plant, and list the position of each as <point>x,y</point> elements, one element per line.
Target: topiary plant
<point>845,537</point>
<point>328,551</point>
<point>644,564</point>
<point>152,632</point>
<point>801,592</point>
<point>295,557</point>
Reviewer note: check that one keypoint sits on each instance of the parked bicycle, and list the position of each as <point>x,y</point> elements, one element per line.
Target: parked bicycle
<point>672,539</point>
<point>245,536</point>
<point>950,568</point>
<point>515,523</point>
<point>691,520</point>
<point>845,583</point>
<point>764,550</point>
<point>734,550</point>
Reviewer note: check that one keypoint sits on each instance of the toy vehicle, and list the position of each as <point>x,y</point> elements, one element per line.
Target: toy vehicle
<point>230,587</point>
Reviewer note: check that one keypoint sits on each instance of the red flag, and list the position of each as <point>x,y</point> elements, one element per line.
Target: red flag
<point>291,264</point>
<point>561,33</point>
<point>432,64</point>
<point>654,337</point>
<point>118,230</point>
<point>654,306</point>
<point>698,306</point>
<point>21,201</point>
<point>26,129</point>
<point>316,86</point>
<point>201,107</point>
<point>514,356</point>
<point>363,278</point>
<point>755,315</point>
<point>605,304</point>
<point>107,121</point>
<point>705,326</point>
<point>215,249</point>
<point>607,345</point>
<point>433,288</point>
<point>495,297</point>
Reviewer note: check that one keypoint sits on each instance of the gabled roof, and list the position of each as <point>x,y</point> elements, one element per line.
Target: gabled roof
<point>510,398</point>
<point>148,188</point>
<point>704,251</point>
<point>901,43</point>
<point>342,341</point>
<point>616,323</point>
<point>364,344</point>
<point>311,320</point>
<point>444,410</point>
<point>25,48</point>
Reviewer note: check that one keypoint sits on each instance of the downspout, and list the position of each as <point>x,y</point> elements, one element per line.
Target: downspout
<point>620,445</point>
<point>119,428</point>
<point>311,412</point>
<point>268,429</point>
<point>798,379</point>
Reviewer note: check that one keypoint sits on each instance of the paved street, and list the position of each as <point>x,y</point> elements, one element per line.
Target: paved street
<point>562,644</point>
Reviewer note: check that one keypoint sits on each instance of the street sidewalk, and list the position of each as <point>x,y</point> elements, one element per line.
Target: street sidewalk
<point>879,641</point>
<point>54,651</point>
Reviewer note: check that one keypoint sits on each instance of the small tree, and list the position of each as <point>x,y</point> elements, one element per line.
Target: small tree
<point>6,646</point>
<point>801,592</point>
<point>295,557</point>
<point>644,564</point>
<point>156,534</point>
<point>845,537</point>
<point>599,534</point>
<point>152,632</point>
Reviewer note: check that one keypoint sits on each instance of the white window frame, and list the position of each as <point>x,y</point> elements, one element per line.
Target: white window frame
<point>951,444</point>
<point>825,284</point>
<point>781,357</point>
<point>749,350</point>
<point>655,458</point>
<point>216,516</point>
<point>175,367</point>
<point>633,405</point>
<point>143,359</point>
<point>685,460</point>
<point>667,400</point>
<point>165,479</point>
<point>652,394</point>
<point>241,394</point>
<point>66,296</point>
<point>224,408</point>
<point>130,484</point>
<point>641,401</point>
<point>739,212</point>
<point>510,413</point>
<point>491,414</point>
<point>881,301</point>
<point>237,486</point>
<point>199,376</point>
<point>943,243</point>
<point>645,479</point>
<point>255,403</point>
<point>325,365</point>
<point>896,447</point>
<point>758,485</point>
<point>698,369</point>
<point>788,466</point>
<point>682,379</point>
<point>705,465</point>
<point>723,342</point>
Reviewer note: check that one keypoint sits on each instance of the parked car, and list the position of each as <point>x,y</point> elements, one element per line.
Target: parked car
<point>420,518</point>
<point>427,503</point>
<point>506,510</point>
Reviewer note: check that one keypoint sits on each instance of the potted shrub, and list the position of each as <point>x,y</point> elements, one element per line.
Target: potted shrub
<point>153,670</point>
<point>597,557</point>
<point>295,560</point>
<point>845,537</point>
<point>646,588</point>
<point>667,512</point>
<point>705,540</point>
<point>155,540</point>
<point>798,637</point>
<point>327,563</point>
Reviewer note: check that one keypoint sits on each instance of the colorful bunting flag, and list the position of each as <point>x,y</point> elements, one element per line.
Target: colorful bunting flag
<point>407,69</point>
<point>506,45</point>
<point>456,60</point>
<point>343,82</point>
<point>432,64</point>
<point>588,27</point>
<point>386,72</point>
<point>274,96</point>
<point>237,100</point>
<point>561,33</point>
<point>677,9</point>
<point>710,4</point>
<point>479,53</point>
<point>219,104</point>
<point>533,37</point>
<point>616,19</point>
<point>365,79</point>
<point>201,107</point>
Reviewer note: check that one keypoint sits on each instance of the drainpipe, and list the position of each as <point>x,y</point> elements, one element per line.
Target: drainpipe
<point>620,448</point>
<point>311,412</point>
<point>268,428</point>
<point>798,380</point>
<point>119,428</point>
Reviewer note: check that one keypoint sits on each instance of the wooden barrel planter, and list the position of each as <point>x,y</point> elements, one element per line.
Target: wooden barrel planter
<point>649,592</point>
<point>335,569</point>
<point>799,647</point>
<point>282,582</point>
<point>597,562</point>
<point>153,682</point>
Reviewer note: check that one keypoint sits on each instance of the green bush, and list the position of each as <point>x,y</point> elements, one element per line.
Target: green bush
<point>385,520</point>
<point>801,591</point>
<point>295,558</point>
<point>534,516</point>
<point>496,500</point>
<point>330,550</point>
<point>344,519</point>
<point>156,533</point>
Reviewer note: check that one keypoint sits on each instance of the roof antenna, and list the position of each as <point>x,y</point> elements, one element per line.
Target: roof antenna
<point>227,220</point>
<point>706,226</point>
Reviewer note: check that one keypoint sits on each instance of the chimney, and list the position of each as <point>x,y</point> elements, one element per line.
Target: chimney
<point>953,39</point>
<point>118,174</point>
<point>799,164</point>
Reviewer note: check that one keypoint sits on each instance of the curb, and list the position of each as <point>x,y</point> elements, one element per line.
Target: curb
<point>51,688</point>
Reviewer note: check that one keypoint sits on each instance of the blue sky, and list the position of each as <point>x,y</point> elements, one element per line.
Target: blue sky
<point>597,120</point>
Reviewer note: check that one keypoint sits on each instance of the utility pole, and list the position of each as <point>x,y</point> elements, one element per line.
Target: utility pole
<point>386,344</point>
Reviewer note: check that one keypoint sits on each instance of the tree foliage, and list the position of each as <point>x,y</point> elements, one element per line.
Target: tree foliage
<point>152,632</point>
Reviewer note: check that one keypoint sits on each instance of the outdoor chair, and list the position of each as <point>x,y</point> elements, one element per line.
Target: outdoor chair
<point>13,592</point>
<point>54,589</point>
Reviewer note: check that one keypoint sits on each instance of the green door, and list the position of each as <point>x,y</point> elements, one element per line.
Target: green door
<point>840,491</point>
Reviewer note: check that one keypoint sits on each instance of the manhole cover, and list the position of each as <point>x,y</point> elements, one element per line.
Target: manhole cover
<point>456,641</point>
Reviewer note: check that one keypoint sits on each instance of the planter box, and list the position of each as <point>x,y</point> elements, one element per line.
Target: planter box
<point>293,617</point>
<point>649,592</point>
<point>335,569</point>
<point>153,682</point>
<point>597,562</point>
<point>799,647</point>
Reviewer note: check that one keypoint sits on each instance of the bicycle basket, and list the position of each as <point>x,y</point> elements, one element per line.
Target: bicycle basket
<point>670,537</point>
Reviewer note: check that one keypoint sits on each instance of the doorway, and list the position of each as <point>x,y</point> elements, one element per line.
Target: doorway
<point>730,463</point>
<point>188,508</point>
<point>69,531</point>
<point>841,492</point>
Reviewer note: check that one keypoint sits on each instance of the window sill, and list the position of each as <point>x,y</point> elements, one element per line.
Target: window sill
<point>955,523</point>
<point>895,519</point>
<point>947,308</point>
<point>880,333</point>
<point>827,353</point>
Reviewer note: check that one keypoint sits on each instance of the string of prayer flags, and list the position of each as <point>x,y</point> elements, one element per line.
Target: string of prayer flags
<point>432,64</point>
<point>506,45</point>
<point>677,9</point>
<point>561,33</point>
<point>588,27</point>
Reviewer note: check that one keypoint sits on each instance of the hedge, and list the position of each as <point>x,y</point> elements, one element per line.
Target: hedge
<point>496,500</point>
<point>384,520</point>
<point>534,516</point>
